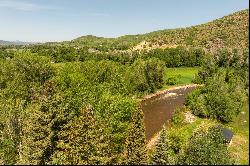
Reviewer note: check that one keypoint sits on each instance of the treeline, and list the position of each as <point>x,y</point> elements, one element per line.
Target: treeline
<point>73,113</point>
<point>172,57</point>
<point>177,57</point>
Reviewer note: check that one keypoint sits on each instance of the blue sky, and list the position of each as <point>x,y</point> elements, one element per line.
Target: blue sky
<point>58,20</point>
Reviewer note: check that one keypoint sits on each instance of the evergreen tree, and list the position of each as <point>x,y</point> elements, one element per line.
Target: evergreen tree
<point>135,149</point>
<point>163,153</point>
<point>77,141</point>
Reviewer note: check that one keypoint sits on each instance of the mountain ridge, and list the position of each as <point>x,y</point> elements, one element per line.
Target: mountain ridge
<point>228,31</point>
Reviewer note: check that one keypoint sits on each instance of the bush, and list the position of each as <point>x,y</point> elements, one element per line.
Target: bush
<point>171,81</point>
<point>163,153</point>
<point>178,117</point>
<point>206,148</point>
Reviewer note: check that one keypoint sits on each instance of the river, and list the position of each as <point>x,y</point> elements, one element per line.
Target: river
<point>158,109</point>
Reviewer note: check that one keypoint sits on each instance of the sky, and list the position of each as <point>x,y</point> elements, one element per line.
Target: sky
<point>60,20</point>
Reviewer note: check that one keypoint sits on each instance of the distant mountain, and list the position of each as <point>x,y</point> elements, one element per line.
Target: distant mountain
<point>229,31</point>
<point>17,42</point>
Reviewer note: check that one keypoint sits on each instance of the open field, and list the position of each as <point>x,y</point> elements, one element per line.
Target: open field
<point>183,75</point>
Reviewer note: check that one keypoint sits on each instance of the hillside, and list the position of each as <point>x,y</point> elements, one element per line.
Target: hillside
<point>230,31</point>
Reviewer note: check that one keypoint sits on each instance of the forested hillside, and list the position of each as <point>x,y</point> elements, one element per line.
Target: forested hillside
<point>230,31</point>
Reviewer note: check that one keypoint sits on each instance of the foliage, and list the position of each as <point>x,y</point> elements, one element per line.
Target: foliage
<point>163,154</point>
<point>44,108</point>
<point>178,117</point>
<point>206,148</point>
<point>218,98</point>
<point>145,75</point>
<point>176,57</point>
<point>167,148</point>
<point>21,80</point>
<point>236,60</point>
<point>135,150</point>
<point>80,144</point>
<point>171,81</point>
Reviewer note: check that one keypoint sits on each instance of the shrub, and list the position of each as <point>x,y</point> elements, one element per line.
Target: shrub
<point>178,117</point>
<point>206,148</point>
<point>171,81</point>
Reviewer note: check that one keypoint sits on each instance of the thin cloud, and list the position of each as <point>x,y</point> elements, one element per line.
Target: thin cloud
<point>23,6</point>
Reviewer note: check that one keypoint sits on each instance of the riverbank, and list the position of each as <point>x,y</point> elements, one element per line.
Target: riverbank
<point>159,107</point>
<point>152,141</point>
<point>157,93</point>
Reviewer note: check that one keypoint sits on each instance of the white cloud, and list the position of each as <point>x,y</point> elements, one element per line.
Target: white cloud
<point>22,6</point>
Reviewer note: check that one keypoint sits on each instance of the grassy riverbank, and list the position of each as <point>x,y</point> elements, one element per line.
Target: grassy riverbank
<point>185,77</point>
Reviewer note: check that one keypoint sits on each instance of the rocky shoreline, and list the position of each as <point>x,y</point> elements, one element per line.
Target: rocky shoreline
<point>168,90</point>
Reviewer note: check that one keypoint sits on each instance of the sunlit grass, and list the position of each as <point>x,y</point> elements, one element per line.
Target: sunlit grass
<point>186,74</point>
<point>240,142</point>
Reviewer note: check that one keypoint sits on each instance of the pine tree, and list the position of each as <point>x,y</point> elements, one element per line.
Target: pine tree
<point>77,140</point>
<point>163,154</point>
<point>135,150</point>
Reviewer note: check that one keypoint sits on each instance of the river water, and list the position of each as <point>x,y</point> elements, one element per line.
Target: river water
<point>158,109</point>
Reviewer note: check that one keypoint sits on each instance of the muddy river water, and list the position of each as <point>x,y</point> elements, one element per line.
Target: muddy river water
<point>158,109</point>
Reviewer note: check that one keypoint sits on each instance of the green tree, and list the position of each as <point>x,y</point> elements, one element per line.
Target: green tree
<point>78,140</point>
<point>221,97</point>
<point>163,153</point>
<point>206,148</point>
<point>135,145</point>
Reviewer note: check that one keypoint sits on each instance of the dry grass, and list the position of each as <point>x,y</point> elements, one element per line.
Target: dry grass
<point>239,149</point>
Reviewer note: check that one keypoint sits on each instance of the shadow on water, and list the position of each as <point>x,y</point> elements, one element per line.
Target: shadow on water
<point>158,110</point>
